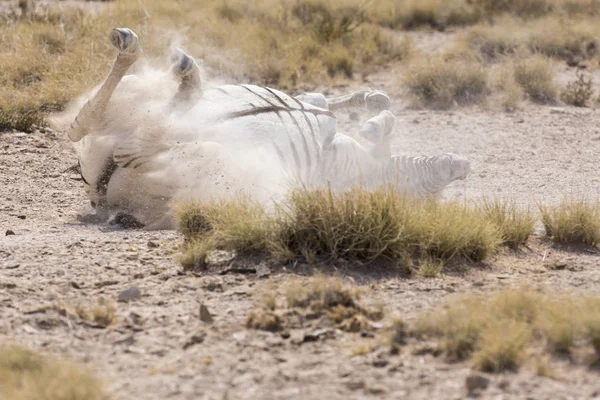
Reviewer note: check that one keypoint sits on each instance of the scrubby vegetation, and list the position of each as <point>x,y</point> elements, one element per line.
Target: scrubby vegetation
<point>25,375</point>
<point>441,84</point>
<point>309,302</point>
<point>500,331</point>
<point>354,225</point>
<point>516,225</point>
<point>574,220</point>
<point>579,91</point>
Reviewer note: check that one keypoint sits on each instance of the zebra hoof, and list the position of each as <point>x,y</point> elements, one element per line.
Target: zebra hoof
<point>183,63</point>
<point>125,40</point>
<point>377,101</point>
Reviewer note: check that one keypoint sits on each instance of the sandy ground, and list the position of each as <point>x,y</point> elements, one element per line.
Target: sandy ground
<point>159,348</point>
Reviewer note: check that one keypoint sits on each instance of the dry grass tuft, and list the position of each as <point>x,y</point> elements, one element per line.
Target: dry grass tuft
<point>516,226</point>
<point>241,226</point>
<point>322,297</point>
<point>536,76</point>
<point>442,84</point>
<point>25,375</point>
<point>354,225</point>
<point>263,319</point>
<point>498,330</point>
<point>103,313</point>
<point>578,92</point>
<point>572,221</point>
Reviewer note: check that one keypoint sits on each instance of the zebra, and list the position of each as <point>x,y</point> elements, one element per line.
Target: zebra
<point>143,144</point>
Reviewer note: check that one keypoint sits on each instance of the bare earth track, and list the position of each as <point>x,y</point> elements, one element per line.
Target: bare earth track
<point>159,348</point>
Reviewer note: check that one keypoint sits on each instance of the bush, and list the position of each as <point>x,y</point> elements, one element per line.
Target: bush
<point>572,221</point>
<point>515,225</point>
<point>536,76</point>
<point>577,93</point>
<point>495,330</point>
<point>441,84</point>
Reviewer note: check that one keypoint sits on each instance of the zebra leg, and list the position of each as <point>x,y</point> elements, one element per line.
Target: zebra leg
<point>378,128</point>
<point>187,71</point>
<point>374,101</point>
<point>315,99</point>
<point>126,42</point>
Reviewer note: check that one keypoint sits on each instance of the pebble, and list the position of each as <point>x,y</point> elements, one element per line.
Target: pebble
<point>205,314</point>
<point>131,293</point>
<point>9,232</point>
<point>475,382</point>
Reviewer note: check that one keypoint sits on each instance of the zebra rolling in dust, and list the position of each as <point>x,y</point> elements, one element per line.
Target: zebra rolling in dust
<point>145,142</point>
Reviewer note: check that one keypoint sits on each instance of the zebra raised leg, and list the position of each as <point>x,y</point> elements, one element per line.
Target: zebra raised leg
<point>187,71</point>
<point>347,163</point>
<point>92,113</point>
<point>374,101</point>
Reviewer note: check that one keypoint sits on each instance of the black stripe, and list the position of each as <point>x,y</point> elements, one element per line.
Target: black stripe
<point>304,142</point>
<point>81,173</point>
<point>107,172</point>
<point>277,110</point>
<point>220,89</point>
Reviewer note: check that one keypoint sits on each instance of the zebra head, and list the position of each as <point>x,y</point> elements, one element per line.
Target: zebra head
<point>452,166</point>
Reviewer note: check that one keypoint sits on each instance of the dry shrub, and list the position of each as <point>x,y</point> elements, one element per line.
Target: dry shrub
<point>25,375</point>
<point>511,94</point>
<point>321,297</point>
<point>363,225</point>
<point>515,225</point>
<point>499,330</point>
<point>240,225</point>
<point>563,38</point>
<point>442,84</point>
<point>354,225</point>
<point>263,319</point>
<point>103,313</point>
<point>574,220</point>
<point>430,267</point>
<point>501,39</point>
<point>536,76</point>
<point>578,92</point>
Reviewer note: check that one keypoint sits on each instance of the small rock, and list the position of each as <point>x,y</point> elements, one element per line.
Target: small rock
<point>9,233</point>
<point>355,384</point>
<point>318,334</point>
<point>75,285</point>
<point>205,314</point>
<point>152,245</point>
<point>556,265</point>
<point>195,339</point>
<point>21,216</point>
<point>354,116</point>
<point>128,341</point>
<point>475,382</point>
<point>105,283</point>
<point>47,130</point>
<point>131,293</point>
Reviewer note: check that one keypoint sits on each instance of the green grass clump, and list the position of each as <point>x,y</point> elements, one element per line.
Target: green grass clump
<point>572,221</point>
<point>516,226</point>
<point>25,375</point>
